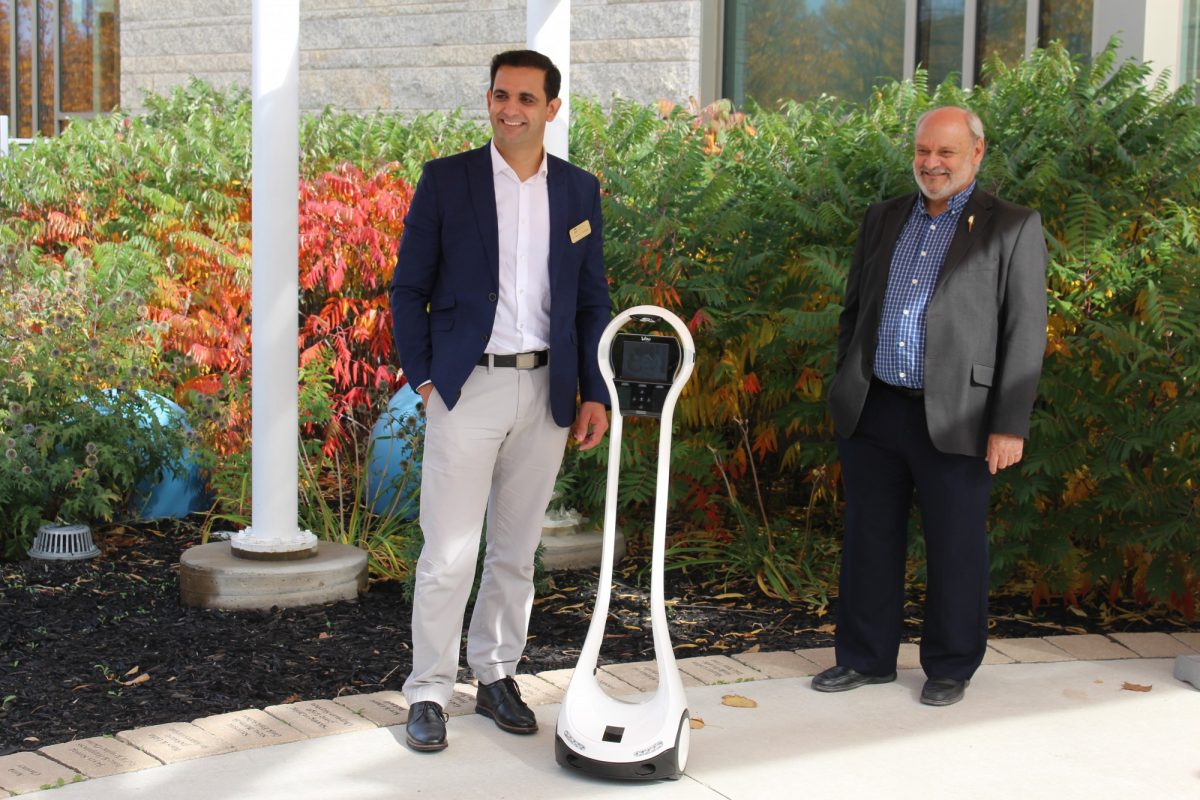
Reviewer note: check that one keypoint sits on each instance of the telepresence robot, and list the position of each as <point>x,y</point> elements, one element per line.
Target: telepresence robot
<point>599,734</point>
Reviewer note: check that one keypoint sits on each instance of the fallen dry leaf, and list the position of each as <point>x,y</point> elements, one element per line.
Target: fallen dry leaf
<point>696,723</point>
<point>145,676</point>
<point>828,628</point>
<point>737,701</point>
<point>1135,687</point>
<point>132,672</point>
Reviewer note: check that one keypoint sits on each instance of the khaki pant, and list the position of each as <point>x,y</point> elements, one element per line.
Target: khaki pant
<point>497,452</point>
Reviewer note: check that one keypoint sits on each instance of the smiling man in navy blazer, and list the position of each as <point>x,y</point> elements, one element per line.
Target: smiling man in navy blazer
<point>499,300</point>
<point>940,346</point>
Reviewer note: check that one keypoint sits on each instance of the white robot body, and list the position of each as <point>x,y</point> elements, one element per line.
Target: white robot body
<point>599,734</point>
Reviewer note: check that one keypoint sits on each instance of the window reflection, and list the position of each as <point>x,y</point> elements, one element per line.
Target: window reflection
<point>799,49</point>
<point>88,52</point>
<point>940,38</point>
<point>45,69</point>
<point>1067,21</point>
<point>21,123</point>
<point>6,73</point>
<point>1000,33</point>
<point>58,58</point>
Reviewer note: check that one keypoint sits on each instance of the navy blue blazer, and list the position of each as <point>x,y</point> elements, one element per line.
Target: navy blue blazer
<point>445,286</point>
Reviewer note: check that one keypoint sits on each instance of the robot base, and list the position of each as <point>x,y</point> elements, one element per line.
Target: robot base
<point>663,766</point>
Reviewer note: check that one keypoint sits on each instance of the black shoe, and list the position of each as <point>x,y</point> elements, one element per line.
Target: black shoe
<point>426,727</point>
<point>502,702</point>
<point>943,691</point>
<point>843,679</point>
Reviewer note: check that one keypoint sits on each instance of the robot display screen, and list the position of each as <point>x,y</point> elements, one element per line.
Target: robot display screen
<point>646,361</point>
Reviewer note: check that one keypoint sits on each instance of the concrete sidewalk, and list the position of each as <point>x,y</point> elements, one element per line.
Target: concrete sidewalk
<point>1043,724</point>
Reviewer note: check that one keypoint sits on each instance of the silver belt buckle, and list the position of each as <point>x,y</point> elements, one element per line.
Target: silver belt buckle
<point>526,360</point>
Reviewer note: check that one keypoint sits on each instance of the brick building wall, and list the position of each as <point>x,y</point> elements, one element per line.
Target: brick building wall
<point>412,57</point>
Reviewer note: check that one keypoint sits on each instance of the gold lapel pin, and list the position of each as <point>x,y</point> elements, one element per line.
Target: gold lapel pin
<point>970,223</point>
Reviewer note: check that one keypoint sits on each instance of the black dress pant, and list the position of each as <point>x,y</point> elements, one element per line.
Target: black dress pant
<point>888,457</point>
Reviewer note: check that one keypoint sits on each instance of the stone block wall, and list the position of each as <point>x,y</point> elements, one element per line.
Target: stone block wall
<point>411,57</point>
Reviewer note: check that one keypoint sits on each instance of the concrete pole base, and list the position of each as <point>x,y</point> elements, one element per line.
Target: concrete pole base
<point>211,576</point>
<point>576,549</point>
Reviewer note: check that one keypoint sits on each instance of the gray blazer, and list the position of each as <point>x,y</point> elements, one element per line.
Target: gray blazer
<point>985,327</point>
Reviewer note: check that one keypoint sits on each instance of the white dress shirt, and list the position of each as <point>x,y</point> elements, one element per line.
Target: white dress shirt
<point>523,218</point>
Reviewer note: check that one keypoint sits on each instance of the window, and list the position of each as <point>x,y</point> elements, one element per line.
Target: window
<point>777,50</point>
<point>1000,31</point>
<point>1189,67</point>
<point>1067,21</point>
<point>799,49</point>
<point>58,60</point>
<point>940,38</point>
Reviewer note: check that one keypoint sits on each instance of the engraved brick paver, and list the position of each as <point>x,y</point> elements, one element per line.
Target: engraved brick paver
<point>1191,639</point>
<point>713,670</point>
<point>909,656</point>
<point>823,657</point>
<point>383,708</point>
<point>100,756</point>
<point>612,684</point>
<point>174,741</point>
<point>1152,645</point>
<point>643,675</point>
<point>1091,647</point>
<point>994,656</point>
<point>462,701</point>
<point>537,692</point>
<point>785,664</point>
<point>28,772</point>
<point>246,730</point>
<point>316,718</point>
<point>1030,651</point>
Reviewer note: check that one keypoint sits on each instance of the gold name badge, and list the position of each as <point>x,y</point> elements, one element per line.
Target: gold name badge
<point>581,230</point>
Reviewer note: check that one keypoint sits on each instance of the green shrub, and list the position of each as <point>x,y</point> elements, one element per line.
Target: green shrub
<point>78,431</point>
<point>745,227</point>
<point>743,224</point>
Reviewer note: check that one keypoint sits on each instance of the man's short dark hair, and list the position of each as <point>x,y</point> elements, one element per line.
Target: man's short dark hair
<point>529,58</point>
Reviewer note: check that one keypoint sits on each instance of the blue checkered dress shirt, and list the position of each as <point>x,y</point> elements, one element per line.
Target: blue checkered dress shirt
<point>916,262</point>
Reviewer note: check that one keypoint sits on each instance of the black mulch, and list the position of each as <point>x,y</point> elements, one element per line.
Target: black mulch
<point>94,647</point>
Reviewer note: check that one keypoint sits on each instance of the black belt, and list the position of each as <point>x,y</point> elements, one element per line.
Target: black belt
<point>900,390</point>
<point>517,360</point>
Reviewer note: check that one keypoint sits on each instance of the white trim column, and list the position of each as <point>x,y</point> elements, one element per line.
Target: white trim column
<point>1150,32</point>
<point>275,89</point>
<point>548,30</point>
<point>910,39</point>
<point>968,78</point>
<point>1032,26</point>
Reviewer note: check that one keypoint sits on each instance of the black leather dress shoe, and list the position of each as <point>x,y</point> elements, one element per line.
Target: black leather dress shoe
<point>843,679</point>
<point>502,702</point>
<point>425,731</point>
<point>943,691</point>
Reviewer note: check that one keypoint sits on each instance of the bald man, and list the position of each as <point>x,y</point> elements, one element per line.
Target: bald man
<point>940,346</point>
